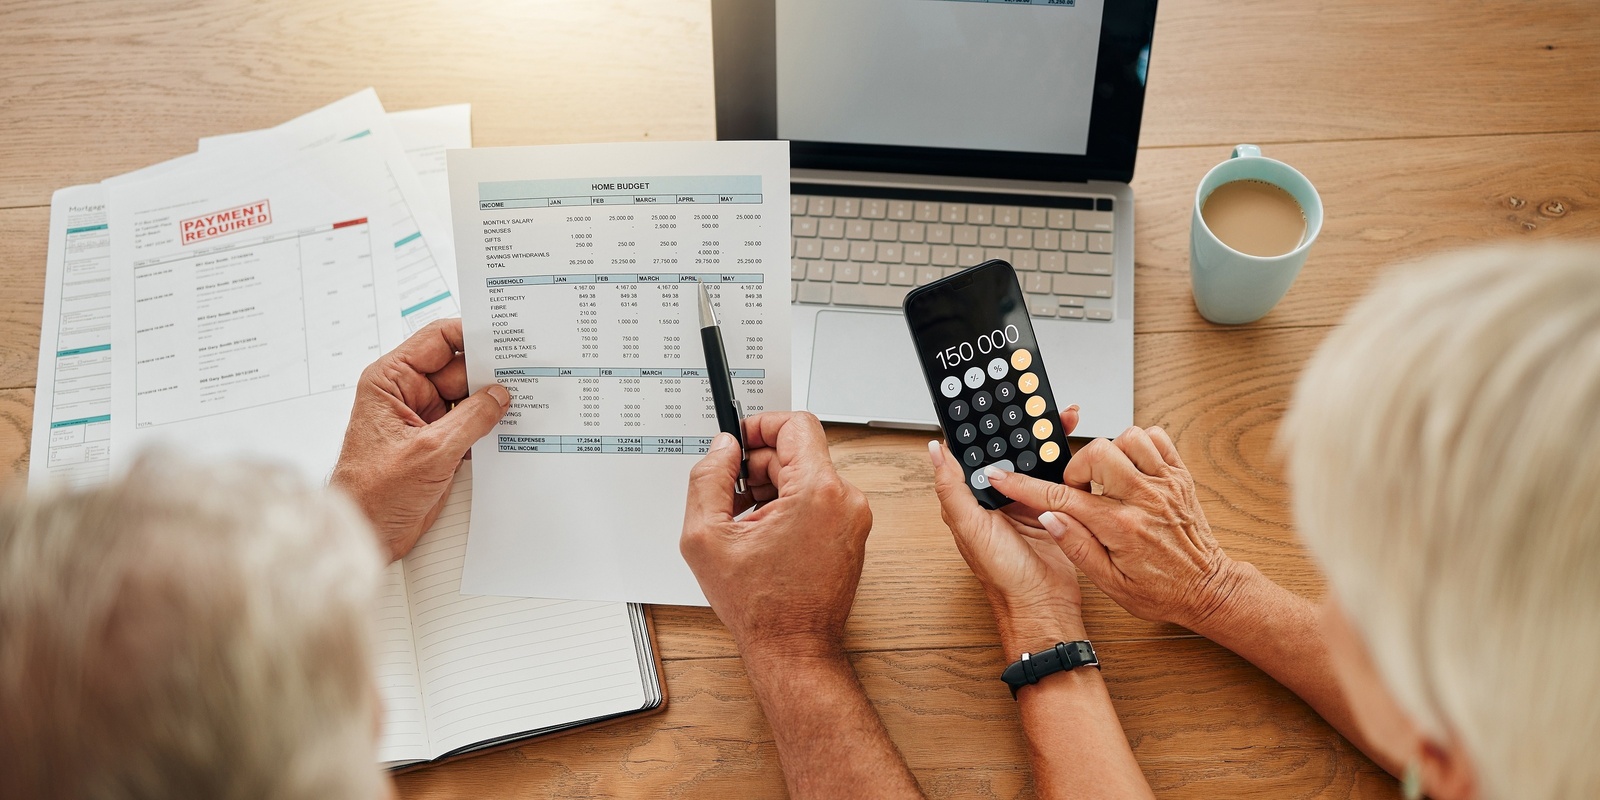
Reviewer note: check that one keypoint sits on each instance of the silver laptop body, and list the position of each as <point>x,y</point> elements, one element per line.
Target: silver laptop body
<point>863,237</point>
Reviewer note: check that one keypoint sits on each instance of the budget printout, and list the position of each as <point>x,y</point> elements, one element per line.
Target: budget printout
<point>247,297</point>
<point>579,269</point>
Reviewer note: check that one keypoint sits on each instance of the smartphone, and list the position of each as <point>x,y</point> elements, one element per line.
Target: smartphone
<point>987,377</point>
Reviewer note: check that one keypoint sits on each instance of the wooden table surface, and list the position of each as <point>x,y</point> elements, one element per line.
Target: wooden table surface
<point>1426,125</point>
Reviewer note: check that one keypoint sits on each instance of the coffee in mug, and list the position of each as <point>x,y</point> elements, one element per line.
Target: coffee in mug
<point>1254,220</point>
<point>1255,217</point>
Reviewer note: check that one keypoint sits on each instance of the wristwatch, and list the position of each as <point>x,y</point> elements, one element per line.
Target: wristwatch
<point>1065,656</point>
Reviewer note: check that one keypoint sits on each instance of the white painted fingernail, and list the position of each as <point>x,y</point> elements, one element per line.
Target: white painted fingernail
<point>935,452</point>
<point>1053,524</point>
<point>994,473</point>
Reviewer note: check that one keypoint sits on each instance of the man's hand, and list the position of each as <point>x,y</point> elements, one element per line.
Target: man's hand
<point>411,426</point>
<point>1146,542</point>
<point>1032,586</point>
<point>783,577</point>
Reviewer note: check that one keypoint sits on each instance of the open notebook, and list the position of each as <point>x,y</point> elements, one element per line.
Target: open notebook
<point>462,673</point>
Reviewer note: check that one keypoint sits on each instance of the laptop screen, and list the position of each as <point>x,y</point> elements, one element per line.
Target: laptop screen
<point>1041,90</point>
<point>966,74</point>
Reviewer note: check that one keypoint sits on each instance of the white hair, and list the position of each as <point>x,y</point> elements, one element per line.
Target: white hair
<point>1444,449</point>
<point>187,632</point>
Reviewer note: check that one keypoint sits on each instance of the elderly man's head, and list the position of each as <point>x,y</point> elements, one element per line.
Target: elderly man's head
<point>187,633</point>
<point>1445,454</point>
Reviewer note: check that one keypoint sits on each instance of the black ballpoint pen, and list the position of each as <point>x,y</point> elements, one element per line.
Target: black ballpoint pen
<point>730,414</point>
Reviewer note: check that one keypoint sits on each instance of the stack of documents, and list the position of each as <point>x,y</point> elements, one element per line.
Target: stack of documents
<point>227,301</point>
<point>225,304</point>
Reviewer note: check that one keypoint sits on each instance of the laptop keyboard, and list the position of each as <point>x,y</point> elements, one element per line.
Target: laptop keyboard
<point>871,251</point>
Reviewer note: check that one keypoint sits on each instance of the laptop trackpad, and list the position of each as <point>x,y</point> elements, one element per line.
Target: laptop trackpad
<point>863,366</point>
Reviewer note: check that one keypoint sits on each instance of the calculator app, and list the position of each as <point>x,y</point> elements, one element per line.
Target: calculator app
<point>988,382</point>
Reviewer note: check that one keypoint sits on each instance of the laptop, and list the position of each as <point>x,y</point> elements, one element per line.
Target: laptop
<point>928,136</point>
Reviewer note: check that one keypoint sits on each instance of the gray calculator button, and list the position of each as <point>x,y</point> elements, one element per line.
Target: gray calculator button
<point>1020,438</point>
<point>973,456</point>
<point>958,410</point>
<point>981,481</point>
<point>1005,392</point>
<point>1027,460</point>
<point>982,401</point>
<point>974,377</point>
<point>966,433</point>
<point>996,447</point>
<point>989,424</point>
<point>1012,415</point>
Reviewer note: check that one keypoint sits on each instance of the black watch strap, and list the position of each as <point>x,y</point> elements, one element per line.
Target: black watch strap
<point>1065,656</point>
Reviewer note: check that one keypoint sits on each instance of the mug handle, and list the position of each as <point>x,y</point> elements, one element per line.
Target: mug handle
<point>1246,151</point>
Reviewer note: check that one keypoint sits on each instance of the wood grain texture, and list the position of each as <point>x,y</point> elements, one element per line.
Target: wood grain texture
<point>164,73</point>
<point>92,89</point>
<point>16,425</point>
<point>1201,722</point>
<point>1384,202</point>
<point>1271,71</point>
<point>24,235</point>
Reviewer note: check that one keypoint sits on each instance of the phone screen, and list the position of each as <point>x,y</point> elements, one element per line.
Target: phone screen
<point>986,376</point>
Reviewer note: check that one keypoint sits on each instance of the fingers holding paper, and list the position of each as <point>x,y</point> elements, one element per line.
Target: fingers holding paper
<point>411,425</point>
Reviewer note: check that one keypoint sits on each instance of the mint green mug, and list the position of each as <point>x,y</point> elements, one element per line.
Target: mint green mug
<point>1230,287</point>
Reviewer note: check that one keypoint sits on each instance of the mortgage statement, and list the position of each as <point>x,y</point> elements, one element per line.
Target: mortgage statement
<point>579,268</point>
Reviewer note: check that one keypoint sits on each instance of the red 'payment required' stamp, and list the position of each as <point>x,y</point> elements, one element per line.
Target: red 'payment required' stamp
<point>233,220</point>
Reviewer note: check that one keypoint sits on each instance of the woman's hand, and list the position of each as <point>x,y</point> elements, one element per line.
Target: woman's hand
<point>1145,542</point>
<point>1032,586</point>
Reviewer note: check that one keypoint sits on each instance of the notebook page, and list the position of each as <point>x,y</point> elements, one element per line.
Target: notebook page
<point>405,730</point>
<point>496,666</point>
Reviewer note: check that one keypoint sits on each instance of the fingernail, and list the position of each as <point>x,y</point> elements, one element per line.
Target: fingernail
<point>1053,524</point>
<point>723,441</point>
<point>1073,407</point>
<point>500,395</point>
<point>935,453</point>
<point>994,473</point>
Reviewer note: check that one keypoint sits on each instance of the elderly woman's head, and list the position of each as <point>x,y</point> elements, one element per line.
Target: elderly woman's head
<point>188,633</point>
<point>1444,448</point>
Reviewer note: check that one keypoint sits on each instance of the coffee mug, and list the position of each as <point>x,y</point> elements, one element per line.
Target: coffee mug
<point>1230,287</point>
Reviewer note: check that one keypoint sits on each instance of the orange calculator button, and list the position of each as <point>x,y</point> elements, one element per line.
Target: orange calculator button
<point>1049,451</point>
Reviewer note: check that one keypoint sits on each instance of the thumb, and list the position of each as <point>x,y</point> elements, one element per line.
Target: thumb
<point>950,485</point>
<point>472,419</point>
<point>712,480</point>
